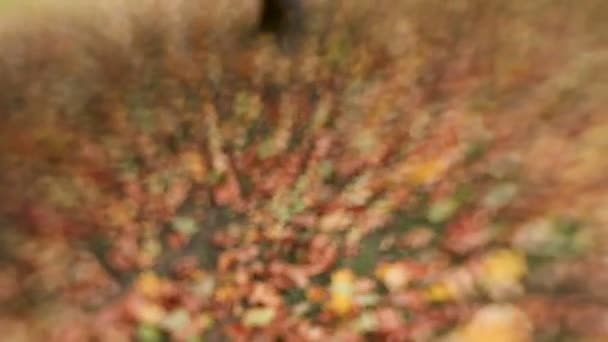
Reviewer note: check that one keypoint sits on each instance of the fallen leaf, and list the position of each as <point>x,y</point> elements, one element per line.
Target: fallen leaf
<point>395,275</point>
<point>148,284</point>
<point>502,272</point>
<point>259,317</point>
<point>195,165</point>
<point>495,322</point>
<point>342,291</point>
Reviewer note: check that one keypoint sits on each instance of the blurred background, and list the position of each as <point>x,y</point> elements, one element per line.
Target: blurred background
<point>399,170</point>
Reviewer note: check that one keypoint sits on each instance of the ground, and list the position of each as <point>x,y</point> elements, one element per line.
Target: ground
<point>406,171</point>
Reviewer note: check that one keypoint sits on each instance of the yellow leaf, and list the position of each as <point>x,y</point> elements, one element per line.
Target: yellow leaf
<point>497,323</point>
<point>194,164</point>
<point>148,284</point>
<point>225,293</point>
<point>205,320</point>
<point>502,271</point>
<point>341,304</point>
<point>439,292</point>
<point>426,172</point>
<point>342,290</point>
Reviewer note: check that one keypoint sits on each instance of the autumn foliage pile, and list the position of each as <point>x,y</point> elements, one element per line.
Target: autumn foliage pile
<point>412,171</point>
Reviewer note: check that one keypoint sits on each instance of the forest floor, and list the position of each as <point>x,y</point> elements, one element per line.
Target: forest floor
<point>411,171</point>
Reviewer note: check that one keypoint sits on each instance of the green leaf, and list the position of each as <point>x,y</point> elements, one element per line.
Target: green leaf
<point>295,295</point>
<point>149,333</point>
<point>176,320</point>
<point>367,258</point>
<point>500,195</point>
<point>259,317</point>
<point>185,225</point>
<point>366,322</point>
<point>442,210</point>
<point>326,168</point>
<point>369,299</point>
<point>266,149</point>
<point>475,151</point>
